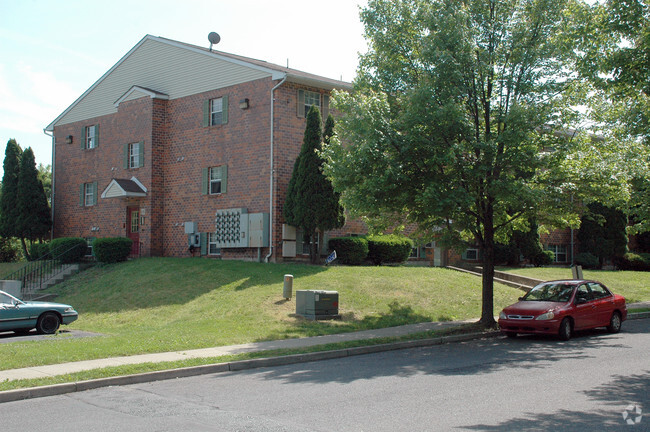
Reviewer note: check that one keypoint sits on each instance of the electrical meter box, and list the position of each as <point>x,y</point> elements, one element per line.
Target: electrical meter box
<point>317,305</point>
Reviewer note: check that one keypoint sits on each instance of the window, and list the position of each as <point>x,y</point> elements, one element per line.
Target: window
<point>89,248</point>
<point>88,194</point>
<point>89,137</point>
<point>215,180</point>
<point>598,291</point>
<point>135,221</point>
<point>308,98</point>
<point>212,244</point>
<point>560,252</point>
<point>133,155</point>
<point>215,111</point>
<point>470,255</point>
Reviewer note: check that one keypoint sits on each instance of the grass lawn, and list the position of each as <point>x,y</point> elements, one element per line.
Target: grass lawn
<point>633,285</point>
<point>167,304</point>
<point>8,268</point>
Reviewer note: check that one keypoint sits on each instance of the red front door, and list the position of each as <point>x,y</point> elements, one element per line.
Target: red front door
<point>133,228</point>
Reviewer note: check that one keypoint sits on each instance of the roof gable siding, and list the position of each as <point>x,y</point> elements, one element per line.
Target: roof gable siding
<point>163,67</point>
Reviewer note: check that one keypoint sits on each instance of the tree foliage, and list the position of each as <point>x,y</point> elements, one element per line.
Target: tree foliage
<point>457,119</point>
<point>35,221</point>
<point>9,212</point>
<point>602,232</point>
<point>311,203</point>
<point>24,209</point>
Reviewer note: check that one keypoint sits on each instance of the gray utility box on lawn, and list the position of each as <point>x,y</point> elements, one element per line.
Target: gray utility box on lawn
<point>317,305</point>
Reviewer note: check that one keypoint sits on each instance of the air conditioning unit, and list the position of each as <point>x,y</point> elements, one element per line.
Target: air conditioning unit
<point>317,305</point>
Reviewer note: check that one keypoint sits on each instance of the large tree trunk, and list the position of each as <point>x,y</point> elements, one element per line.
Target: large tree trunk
<point>487,311</point>
<point>22,241</point>
<point>314,255</point>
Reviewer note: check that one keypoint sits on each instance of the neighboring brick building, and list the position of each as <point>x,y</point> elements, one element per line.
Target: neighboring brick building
<point>174,146</point>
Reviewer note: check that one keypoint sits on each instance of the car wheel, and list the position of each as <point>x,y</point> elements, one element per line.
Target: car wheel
<point>614,323</point>
<point>48,323</point>
<point>565,329</point>
<point>511,335</point>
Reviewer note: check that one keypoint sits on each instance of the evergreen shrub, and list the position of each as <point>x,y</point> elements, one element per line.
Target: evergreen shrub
<point>110,250</point>
<point>73,249</point>
<point>350,250</point>
<point>587,260</point>
<point>389,248</point>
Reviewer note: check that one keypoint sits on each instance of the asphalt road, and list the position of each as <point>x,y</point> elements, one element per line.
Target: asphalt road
<point>525,384</point>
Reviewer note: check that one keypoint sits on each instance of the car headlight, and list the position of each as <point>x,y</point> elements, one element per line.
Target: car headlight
<point>546,316</point>
<point>68,310</point>
<point>502,315</point>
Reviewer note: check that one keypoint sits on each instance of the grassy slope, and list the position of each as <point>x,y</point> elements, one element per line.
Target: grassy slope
<point>634,286</point>
<point>166,304</point>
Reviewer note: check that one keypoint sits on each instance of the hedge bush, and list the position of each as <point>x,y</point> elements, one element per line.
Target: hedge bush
<point>587,260</point>
<point>8,250</point>
<point>389,248</point>
<point>544,258</point>
<point>350,250</point>
<point>632,261</point>
<point>110,250</point>
<point>38,250</point>
<point>73,248</point>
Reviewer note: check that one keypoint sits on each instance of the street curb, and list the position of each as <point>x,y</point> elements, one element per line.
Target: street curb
<point>638,315</point>
<point>59,389</point>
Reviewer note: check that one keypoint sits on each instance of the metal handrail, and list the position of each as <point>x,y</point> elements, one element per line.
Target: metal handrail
<point>35,273</point>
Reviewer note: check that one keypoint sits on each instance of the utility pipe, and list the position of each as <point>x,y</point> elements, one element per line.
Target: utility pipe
<point>266,259</point>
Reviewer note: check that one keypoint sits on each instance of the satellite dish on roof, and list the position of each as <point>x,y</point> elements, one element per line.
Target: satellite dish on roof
<point>214,39</point>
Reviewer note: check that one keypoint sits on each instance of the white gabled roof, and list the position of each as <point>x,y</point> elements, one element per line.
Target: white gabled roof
<point>159,67</point>
<point>136,92</point>
<point>124,188</point>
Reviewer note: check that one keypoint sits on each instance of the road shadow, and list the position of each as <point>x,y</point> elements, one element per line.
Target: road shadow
<point>459,359</point>
<point>623,394</point>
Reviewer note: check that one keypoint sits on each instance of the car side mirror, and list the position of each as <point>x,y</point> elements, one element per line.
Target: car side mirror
<point>521,298</point>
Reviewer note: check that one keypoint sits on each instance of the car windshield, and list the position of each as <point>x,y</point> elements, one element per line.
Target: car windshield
<point>7,299</point>
<point>554,292</point>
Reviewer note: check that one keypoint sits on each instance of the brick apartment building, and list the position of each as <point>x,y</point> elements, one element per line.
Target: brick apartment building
<point>186,150</point>
<point>189,151</point>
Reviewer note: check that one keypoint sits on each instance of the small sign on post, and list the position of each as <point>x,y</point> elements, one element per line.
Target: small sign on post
<point>577,272</point>
<point>331,257</point>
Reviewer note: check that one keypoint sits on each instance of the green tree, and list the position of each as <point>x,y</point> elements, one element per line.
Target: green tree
<point>455,111</point>
<point>602,232</point>
<point>45,176</point>
<point>9,212</point>
<point>34,211</point>
<point>613,40</point>
<point>311,203</point>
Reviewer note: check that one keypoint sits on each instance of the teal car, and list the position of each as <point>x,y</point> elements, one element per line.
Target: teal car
<point>20,317</point>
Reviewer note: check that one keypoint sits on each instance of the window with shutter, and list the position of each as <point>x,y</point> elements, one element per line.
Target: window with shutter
<point>215,180</point>
<point>89,137</point>
<point>308,98</point>
<point>215,111</point>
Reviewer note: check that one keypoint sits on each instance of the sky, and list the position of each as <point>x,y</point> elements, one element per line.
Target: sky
<point>51,51</point>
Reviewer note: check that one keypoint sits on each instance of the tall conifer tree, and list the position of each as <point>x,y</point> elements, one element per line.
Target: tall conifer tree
<point>34,220</point>
<point>9,213</point>
<point>311,204</point>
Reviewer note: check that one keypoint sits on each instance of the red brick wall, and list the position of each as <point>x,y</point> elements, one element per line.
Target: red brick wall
<point>75,166</point>
<point>177,149</point>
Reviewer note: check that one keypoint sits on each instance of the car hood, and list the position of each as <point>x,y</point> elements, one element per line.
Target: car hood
<point>531,307</point>
<point>46,305</point>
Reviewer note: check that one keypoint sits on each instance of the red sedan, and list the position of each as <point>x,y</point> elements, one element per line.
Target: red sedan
<point>562,307</point>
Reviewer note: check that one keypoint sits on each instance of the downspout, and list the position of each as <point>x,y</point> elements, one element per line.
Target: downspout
<point>52,187</point>
<point>266,259</point>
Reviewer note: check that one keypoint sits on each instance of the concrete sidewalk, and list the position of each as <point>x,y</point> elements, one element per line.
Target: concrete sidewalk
<point>68,368</point>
